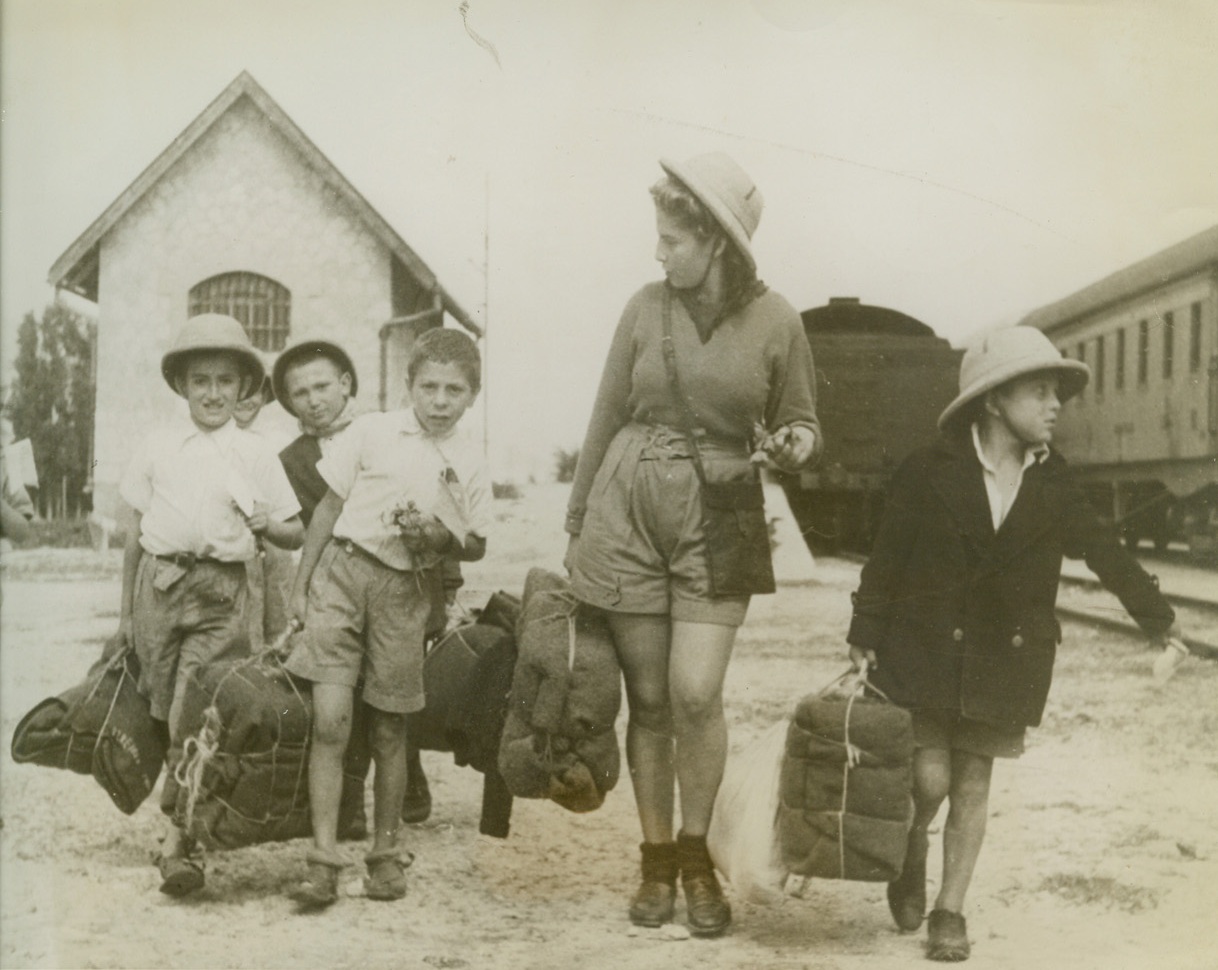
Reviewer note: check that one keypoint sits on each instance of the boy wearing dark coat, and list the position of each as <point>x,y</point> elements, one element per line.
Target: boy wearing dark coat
<point>955,607</point>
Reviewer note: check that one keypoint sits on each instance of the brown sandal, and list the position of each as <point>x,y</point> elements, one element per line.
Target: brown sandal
<point>319,889</point>
<point>386,879</point>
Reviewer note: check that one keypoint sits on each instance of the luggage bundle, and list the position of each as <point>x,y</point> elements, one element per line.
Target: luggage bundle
<point>244,773</point>
<point>243,778</point>
<point>102,727</point>
<point>467,677</point>
<point>559,740</point>
<point>845,805</point>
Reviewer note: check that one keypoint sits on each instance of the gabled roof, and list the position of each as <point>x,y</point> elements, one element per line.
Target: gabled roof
<point>1196,253</point>
<point>76,269</point>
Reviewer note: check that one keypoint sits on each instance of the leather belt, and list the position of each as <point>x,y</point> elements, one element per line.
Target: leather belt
<point>188,560</point>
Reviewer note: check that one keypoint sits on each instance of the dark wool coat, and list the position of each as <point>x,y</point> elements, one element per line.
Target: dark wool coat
<point>962,618</point>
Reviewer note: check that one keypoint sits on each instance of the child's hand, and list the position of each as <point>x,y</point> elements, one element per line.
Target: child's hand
<point>259,520</point>
<point>1172,654</point>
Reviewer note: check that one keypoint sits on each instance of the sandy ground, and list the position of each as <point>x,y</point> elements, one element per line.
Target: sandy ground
<point>1102,849</point>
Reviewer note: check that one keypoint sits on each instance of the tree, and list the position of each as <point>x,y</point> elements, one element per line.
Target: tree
<point>52,403</point>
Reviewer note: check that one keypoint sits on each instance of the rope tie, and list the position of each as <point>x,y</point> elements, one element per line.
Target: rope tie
<point>197,753</point>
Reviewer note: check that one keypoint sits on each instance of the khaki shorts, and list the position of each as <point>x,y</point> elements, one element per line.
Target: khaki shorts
<point>642,548</point>
<point>951,731</point>
<point>183,619</point>
<point>364,620</point>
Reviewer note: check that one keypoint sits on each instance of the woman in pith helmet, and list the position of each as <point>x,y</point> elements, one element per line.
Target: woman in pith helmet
<point>743,380</point>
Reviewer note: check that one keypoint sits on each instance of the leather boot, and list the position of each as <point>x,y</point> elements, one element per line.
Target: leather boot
<point>707,912</point>
<point>654,900</point>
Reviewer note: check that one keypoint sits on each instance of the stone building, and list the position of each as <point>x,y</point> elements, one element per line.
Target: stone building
<point>242,214</point>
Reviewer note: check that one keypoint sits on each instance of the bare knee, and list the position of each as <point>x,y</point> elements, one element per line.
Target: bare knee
<point>331,728</point>
<point>694,710</point>
<point>387,735</point>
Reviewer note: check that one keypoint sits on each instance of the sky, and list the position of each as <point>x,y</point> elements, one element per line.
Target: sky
<point>963,161</point>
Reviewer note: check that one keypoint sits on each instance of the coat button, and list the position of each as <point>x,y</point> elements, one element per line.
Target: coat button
<point>957,634</point>
<point>1017,640</point>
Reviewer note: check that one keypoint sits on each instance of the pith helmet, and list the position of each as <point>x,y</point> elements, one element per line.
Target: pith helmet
<point>212,332</point>
<point>727,191</point>
<point>302,353</point>
<point>1012,352</point>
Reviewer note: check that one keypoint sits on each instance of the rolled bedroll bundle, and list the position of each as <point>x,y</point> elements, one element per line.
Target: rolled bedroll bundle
<point>559,740</point>
<point>243,777</point>
<point>101,727</point>
<point>845,805</point>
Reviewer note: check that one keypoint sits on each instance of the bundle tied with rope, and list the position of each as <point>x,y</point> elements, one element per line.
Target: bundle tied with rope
<point>845,804</point>
<point>101,727</point>
<point>559,740</point>
<point>243,776</point>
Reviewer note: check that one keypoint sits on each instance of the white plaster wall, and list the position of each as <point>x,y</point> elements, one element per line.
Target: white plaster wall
<point>241,200</point>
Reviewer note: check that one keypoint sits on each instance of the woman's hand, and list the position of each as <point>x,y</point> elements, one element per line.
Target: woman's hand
<point>862,660</point>
<point>568,561</point>
<point>795,444</point>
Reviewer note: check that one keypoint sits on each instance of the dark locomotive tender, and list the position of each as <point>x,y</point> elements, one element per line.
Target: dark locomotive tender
<point>882,380</point>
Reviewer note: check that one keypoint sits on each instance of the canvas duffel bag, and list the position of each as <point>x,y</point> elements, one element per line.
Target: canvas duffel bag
<point>559,740</point>
<point>845,791</point>
<point>243,778</point>
<point>101,727</point>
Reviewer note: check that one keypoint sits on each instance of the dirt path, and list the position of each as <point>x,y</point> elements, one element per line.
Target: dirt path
<point>1102,850</point>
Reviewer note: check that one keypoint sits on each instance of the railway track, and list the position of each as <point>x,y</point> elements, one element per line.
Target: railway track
<point>1207,606</point>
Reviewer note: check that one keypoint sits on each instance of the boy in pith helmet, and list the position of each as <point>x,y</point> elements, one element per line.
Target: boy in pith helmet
<point>202,492</point>
<point>954,612</point>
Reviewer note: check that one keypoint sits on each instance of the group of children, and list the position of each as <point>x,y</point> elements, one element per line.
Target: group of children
<point>954,615</point>
<point>384,506</point>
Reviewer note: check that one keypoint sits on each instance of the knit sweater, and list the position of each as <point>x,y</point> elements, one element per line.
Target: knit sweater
<point>754,367</point>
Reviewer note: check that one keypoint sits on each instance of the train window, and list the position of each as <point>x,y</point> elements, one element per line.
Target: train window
<point>1194,339</point>
<point>1169,342</point>
<point>1118,376</point>
<point>1143,350</point>
<point>1099,365</point>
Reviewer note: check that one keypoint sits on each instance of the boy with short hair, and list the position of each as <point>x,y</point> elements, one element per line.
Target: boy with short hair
<point>201,492</point>
<point>954,612</point>
<point>405,489</point>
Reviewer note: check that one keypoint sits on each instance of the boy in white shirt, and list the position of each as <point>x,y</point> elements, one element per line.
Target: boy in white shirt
<point>405,489</point>
<point>201,491</point>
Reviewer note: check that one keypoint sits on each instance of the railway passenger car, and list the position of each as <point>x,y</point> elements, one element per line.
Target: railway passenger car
<point>1143,436</point>
<point>882,380</point>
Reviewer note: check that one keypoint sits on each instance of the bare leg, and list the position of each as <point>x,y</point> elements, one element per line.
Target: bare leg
<point>697,666</point>
<point>331,728</point>
<point>968,809</point>
<point>388,733</point>
<point>642,643</point>
<point>932,775</point>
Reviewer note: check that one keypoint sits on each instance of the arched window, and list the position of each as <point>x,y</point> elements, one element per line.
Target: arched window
<point>262,305</point>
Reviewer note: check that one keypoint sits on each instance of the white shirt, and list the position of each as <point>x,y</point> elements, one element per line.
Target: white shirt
<point>383,461</point>
<point>999,509</point>
<point>186,483</point>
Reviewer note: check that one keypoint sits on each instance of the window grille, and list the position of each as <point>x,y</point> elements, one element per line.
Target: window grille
<point>1119,374</point>
<point>1143,350</point>
<point>262,305</point>
<point>1194,340</point>
<point>1099,365</point>
<point>1169,342</point>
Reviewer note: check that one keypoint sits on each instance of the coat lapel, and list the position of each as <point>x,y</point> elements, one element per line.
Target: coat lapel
<point>957,481</point>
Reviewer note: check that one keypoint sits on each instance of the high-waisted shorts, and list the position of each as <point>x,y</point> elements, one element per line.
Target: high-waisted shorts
<point>642,548</point>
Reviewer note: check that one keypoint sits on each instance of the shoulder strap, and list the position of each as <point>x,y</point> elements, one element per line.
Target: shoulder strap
<point>686,409</point>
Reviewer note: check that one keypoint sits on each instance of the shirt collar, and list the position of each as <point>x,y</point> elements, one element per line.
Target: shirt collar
<point>409,424</point>
<point>185,428</point>
<point>1031,456</point>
